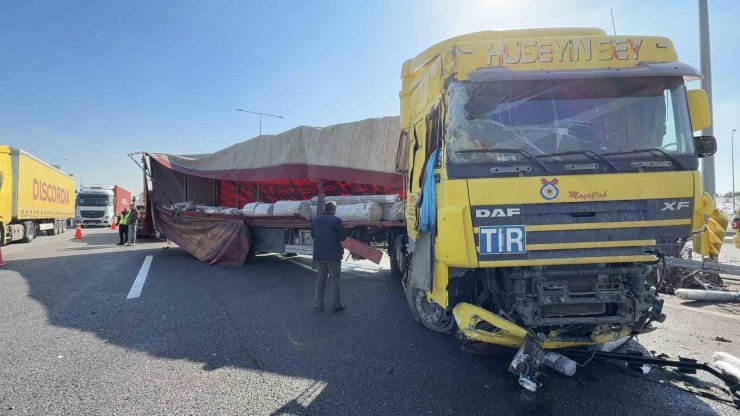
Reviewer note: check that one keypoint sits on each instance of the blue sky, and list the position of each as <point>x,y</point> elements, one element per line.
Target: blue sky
<point>92,81</point>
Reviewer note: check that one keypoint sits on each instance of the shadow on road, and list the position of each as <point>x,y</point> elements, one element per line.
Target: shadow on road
<point>371,359</point>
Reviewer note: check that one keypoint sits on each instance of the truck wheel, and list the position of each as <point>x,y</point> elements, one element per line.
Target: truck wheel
<point>395,270</point>
<point>393,254</point>
<point>30,232</point>
<point>2,235</point>
<point>430,315</point>
<point>54,230</point>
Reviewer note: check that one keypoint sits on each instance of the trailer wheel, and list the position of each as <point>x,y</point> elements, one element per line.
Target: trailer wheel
<point>2,235</point>
<point>54,230</point>
<point>393,254</point>
<point>397,256</point>
<point>30,232</point>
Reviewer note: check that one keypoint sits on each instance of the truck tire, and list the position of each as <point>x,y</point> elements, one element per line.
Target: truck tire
<point>396,255</point>
<point>429,315</point>
<point>54,230</point>
<point>30,232</point>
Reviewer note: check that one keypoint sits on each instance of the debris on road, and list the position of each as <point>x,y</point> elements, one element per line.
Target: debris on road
<point>708,295</point>
<point>723,356</point>
<point>728,363</point>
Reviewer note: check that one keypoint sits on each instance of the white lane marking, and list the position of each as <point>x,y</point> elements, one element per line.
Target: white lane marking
<point>138,285</point>
<point>305,266</point>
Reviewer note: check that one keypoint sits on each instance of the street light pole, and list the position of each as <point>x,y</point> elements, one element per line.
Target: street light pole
<point>732,158</point>
<point>708,175</point>
<point>259,114</point>
<point>51,161</point>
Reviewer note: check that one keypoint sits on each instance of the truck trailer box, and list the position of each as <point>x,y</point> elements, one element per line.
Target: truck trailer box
<point>34,196</point>
<point>121,199</point>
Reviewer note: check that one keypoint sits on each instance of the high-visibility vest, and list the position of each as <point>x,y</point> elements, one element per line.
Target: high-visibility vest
<point>124,219</point>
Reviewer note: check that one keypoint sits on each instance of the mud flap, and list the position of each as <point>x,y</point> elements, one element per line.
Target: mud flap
<point>420,270</point>
<point>363,250</point>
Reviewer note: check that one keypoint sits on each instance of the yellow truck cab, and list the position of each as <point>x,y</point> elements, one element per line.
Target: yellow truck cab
<point>548,171</point>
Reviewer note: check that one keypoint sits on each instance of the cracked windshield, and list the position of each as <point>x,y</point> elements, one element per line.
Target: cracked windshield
<point>543,117</point>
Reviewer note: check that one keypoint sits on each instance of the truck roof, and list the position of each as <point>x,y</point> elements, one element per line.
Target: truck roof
<point>490,35</point>
<point>19,151</point>
<point>568,52</point>
<point>98,191</point>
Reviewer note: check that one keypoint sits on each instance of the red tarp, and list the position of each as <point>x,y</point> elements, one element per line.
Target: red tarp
<point>216,239</point>
<point>237,194</point>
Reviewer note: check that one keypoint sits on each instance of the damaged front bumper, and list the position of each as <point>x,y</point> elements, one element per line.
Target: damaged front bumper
<point>479,325</point>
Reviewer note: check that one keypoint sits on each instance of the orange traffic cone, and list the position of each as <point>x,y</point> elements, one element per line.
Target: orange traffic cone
<point>78,232</point>
<point>113,223</point>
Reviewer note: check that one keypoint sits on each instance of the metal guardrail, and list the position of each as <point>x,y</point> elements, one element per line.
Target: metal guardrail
<point>704,266</point>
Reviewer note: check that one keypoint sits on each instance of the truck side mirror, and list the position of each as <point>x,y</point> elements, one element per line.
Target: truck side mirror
<point>698,109</point>
<point>705,145</point>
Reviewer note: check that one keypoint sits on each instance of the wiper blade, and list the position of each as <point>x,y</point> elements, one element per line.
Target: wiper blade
<point>587,153</point>
<point>647,150</point>
<point>518,151</point>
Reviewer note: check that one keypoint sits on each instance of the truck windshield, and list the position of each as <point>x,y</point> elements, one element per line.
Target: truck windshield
<point>93,200</point>
<point>541,117</point>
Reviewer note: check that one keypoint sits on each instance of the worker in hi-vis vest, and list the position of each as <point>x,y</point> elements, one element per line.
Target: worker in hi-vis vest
<point>122,226</point>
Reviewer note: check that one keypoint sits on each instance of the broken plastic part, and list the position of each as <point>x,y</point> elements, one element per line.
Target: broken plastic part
<point>560,363</point>
<point>526,362</point>
<point>528,384</point>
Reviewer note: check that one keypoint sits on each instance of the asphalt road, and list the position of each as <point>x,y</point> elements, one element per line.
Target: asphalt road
<point>205,339</point>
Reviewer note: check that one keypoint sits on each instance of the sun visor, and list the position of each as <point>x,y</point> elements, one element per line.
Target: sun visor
<point>688,72</point>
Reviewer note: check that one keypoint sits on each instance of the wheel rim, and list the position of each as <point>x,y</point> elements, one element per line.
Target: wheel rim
<point>431,314</point>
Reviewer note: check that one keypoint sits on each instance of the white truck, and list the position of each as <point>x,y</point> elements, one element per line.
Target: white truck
<point>97,205</point>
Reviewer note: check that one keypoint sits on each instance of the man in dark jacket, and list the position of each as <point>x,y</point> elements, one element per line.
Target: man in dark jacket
<point>328,233</point>
<point>133,225</point>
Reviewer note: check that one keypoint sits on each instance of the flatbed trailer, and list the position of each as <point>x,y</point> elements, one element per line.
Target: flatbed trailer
<point>292,234</point>
<point>304,164</point>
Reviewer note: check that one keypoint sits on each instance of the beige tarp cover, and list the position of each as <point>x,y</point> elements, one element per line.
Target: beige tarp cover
<point>361,151</point>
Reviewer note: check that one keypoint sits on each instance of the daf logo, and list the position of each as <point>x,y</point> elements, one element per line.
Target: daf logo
<point>675,206</point>
<point>496,212</point>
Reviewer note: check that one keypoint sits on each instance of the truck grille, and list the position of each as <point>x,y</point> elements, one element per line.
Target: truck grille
<point>92,214</point>
<point>591,229</point>
<point>576,309</point>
